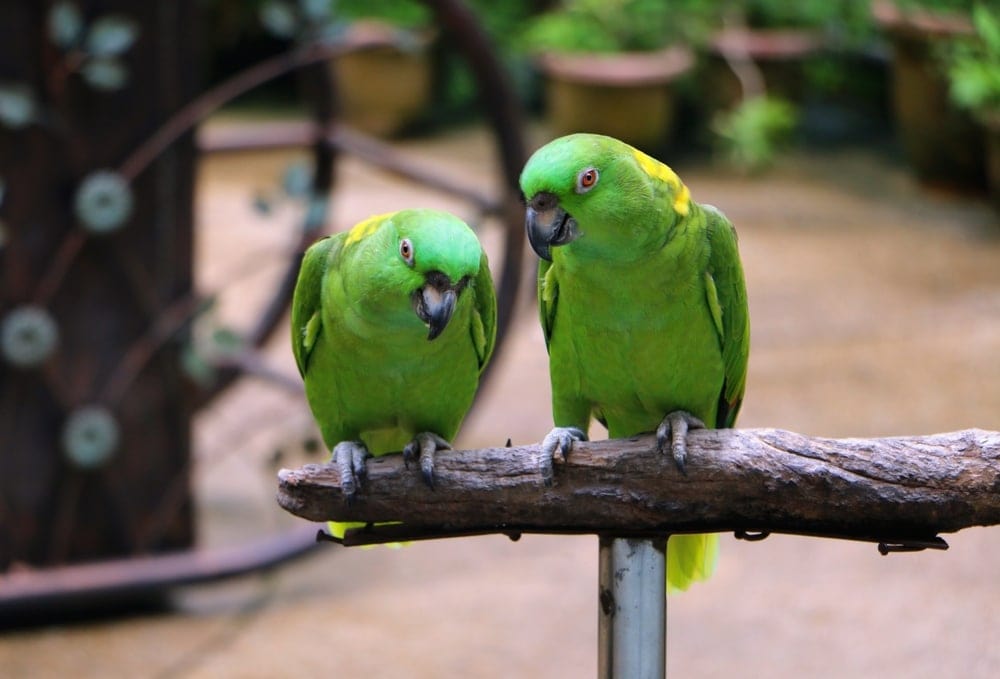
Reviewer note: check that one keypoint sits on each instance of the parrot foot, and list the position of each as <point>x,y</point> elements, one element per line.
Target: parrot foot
<point>423,446</point>
<point>350,458</point>
<point>556,446</point>
<point>671,436</point>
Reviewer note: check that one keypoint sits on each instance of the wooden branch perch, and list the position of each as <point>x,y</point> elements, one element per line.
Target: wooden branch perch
<point>897,491</point>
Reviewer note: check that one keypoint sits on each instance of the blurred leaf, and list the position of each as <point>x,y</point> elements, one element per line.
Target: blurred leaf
<point>315,10</point>
<point>17,105</point>
<point>196,367</point>
<point>227,341</point>
<point>753,132</point>
<point>316,212</point>
<point>3,234</point>
<point>297,180</point>
<point>65,25</point>
<point>106,74</point>
<point>279,19</point>
<point>988,27</point>
<point>103,202</point>
<point>111,35</point>
<point>206,305</point>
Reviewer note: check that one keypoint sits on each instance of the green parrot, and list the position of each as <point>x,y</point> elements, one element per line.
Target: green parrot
<point>643,307</point>
<point>393,323</point>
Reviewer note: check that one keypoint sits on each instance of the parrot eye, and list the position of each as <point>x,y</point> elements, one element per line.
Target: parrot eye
<point>406,251</point>
<point>586,180</point>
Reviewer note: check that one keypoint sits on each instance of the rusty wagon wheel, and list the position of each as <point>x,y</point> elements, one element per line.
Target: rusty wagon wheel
<point>130,578</point>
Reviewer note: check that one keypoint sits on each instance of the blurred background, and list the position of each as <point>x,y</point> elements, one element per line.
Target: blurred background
<point>163,166</point>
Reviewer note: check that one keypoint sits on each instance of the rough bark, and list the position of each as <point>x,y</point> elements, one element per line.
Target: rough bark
<point>901,491</point>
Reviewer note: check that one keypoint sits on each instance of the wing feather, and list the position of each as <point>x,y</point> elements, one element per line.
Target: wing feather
<point>307,319</point>
<point>726,290</point>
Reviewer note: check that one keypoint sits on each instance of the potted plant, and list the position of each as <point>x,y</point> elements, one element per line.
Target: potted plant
<point>941,141</point>
<point>385,80</point>
<point>973,69</point>
<point>609,65</point>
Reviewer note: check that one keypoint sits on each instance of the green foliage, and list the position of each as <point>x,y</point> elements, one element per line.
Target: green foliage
<point>751,134</point>
<point>616,25</point>
<point>842,21</point>
<point>962,6</point>
<point>973,64</point>
<point>401,13</point>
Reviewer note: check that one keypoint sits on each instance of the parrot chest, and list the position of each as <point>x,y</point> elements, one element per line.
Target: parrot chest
<point>390,388</point>
<point>635,346</point>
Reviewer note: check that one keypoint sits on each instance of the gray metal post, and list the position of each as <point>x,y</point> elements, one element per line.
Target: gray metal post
<point>632,628</point>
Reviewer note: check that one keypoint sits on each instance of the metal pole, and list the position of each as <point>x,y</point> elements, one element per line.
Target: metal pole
<point>632,627</point>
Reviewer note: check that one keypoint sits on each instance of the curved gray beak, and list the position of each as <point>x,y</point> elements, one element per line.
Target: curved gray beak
<point>434,302</point>
<point>548,224</point>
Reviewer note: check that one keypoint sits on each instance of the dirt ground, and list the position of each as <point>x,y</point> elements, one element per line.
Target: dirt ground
<point>875,308</point>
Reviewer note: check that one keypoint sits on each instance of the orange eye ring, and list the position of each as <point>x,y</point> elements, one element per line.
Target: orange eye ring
<point>406,251</point>
<point>587,179</point>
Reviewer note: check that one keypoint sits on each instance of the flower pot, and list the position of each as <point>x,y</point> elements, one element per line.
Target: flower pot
<point>780,54</point>
<point>629,95</point>
<point>385,84</point>
<point>941,142</point>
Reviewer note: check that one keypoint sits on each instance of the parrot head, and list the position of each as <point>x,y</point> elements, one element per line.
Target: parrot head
<point>599,194</point>
<point>416,263</point>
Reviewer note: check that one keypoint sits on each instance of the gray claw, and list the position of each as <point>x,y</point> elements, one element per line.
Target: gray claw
<point>556,446</point>
<point>423,446</point>
<point>675,427</point>
<point>350,458</point>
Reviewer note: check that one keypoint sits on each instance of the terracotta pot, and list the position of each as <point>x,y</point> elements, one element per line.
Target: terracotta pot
<point>780,54</point>
<point>629,96</point>
<point>942,143</point>
<point>385,84</point>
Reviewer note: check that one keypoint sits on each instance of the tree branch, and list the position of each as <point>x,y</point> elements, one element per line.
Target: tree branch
<point>897,491</point>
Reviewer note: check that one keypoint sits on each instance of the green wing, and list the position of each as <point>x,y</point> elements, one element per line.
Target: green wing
<point>727,297</point>
<point>484,330</point>
<point>306,301</point>
<point>548,294</point>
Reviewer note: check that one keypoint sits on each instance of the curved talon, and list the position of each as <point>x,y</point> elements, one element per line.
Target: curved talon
<point>423,446</point>
<point>675,427</point>
<point>350,458</point>
<point>556,446</point>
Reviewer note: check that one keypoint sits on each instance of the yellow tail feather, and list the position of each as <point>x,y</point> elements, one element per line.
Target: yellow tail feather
<point>690,558</point>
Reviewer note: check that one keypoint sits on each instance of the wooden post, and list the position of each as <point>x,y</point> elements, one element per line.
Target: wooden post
<point>104,292</point>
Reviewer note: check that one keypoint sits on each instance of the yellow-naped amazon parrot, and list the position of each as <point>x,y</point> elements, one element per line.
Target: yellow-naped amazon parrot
<point>393,322</point>
<point>643,306</point>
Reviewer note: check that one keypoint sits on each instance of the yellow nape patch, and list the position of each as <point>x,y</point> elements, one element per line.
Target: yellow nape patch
<point>364,229</point>
<point>658,170</point>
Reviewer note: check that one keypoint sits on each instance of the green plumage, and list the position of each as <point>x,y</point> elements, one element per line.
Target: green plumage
<point>644,309</point>
<point>372,373</point>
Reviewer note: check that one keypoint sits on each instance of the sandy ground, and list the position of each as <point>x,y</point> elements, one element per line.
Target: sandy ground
<point>876,311</point>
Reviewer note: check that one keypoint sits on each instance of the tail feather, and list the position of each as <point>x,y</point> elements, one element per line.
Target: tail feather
<point>690,558</point>
<point>338,528</point>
